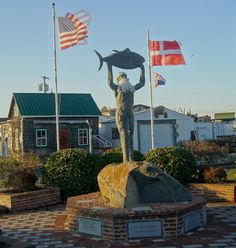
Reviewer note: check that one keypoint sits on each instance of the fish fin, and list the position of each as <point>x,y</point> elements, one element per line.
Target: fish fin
<point>116,51</point>
<point>100,59</point>
<point>126,50</point>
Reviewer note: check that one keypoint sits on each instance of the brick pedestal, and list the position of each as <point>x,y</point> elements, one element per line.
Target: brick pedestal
<point>142,222</point>
<point>16,202</point>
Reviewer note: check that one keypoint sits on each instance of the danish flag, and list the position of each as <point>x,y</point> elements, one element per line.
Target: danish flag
<point>165,53</point>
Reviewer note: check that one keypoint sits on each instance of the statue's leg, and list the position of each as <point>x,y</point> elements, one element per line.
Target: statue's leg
<point>124,139</point>
<point>131,142</point>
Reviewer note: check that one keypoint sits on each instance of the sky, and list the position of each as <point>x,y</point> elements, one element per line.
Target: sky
<point>206,30</point>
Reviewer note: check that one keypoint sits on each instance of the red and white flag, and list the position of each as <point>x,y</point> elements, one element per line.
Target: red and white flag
<point>73,29</point>
<point>165,53</point>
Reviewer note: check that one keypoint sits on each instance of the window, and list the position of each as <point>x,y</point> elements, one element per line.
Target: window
<point>83,137</point>
<point>115,133</point>
<point>41,137</point>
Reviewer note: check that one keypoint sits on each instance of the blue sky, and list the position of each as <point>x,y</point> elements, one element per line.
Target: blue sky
<point>205,28</point>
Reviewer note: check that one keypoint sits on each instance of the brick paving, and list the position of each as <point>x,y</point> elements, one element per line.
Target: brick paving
<point>43,228</point>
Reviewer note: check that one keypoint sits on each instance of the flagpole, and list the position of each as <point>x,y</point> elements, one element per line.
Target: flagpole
<point>150,90</point>
<point>55,77</point>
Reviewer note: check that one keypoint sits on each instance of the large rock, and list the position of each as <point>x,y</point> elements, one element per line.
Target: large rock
<point>138,183</point>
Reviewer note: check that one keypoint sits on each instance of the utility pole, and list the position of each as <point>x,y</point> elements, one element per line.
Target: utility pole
<point>45,86</point>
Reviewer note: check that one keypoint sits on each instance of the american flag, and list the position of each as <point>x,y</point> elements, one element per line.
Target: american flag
<point>73,29</point>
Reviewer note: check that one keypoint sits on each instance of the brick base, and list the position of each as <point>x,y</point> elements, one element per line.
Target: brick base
<point>115,221</point>
<point>16,202</point>
<point>214,192</point>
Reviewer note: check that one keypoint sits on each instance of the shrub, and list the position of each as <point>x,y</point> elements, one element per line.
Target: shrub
<point>177,162</point>
<point>15,176</point>
<point>9,162</point>
<point>200,148</point>
<point>214,174</point>
<point>73,170</point>
<point>115,156</point>
<point>22,179</point>
<point>30,159</point>
<point>7,167</point>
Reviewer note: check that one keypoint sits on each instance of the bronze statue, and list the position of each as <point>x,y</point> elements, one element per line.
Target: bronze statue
<point>124,94</point>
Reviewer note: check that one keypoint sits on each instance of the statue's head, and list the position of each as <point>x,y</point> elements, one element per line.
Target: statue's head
<point>124,84</point>
<point>121,78</point>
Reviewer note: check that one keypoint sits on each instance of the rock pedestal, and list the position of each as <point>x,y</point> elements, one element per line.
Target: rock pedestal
<point>138,202</point>
<point>133,184</point>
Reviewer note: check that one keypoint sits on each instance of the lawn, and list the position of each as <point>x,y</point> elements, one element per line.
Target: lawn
<point>231,175</point>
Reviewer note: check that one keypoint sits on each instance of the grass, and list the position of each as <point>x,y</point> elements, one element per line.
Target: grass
<point>231,175</point>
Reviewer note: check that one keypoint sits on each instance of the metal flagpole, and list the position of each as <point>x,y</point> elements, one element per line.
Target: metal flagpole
<point>150,90</point>
<point>55,77</point>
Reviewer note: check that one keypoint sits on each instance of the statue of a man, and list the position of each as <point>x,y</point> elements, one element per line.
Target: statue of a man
<point>124,94</point>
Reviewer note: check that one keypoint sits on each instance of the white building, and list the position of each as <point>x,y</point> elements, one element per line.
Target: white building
<point>170,127</point>
<point>211,130</point>
<point>223,129</point>
<point>203,130</point>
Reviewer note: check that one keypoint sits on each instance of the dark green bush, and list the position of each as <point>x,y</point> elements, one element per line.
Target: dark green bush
<point>177,162</point>
<point>73,170</point>
<point>115,156</point>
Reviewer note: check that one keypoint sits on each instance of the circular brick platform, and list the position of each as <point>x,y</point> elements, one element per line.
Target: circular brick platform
<point>89,215</point>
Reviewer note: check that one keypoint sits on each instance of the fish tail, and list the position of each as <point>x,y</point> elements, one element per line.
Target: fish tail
<point>100,59</point>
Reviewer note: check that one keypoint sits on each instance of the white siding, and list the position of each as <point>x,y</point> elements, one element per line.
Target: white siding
<point>223,129</point>
<point>203,130</point>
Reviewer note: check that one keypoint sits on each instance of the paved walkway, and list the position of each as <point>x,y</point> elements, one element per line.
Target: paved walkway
<point>41,229</point>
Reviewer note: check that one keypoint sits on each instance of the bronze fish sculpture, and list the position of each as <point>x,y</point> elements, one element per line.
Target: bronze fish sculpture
<point>125,59</point>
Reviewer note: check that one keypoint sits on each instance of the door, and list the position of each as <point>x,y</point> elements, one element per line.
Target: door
<point>163,136</point>
<point>64,138</point>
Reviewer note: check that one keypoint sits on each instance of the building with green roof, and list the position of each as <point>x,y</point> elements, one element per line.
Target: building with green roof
<point>31,125</point>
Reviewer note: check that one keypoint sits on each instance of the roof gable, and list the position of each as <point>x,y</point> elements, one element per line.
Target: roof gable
<point>42,104</point>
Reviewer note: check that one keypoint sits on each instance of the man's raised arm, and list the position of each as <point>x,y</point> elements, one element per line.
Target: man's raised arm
<point>110,77</point>
<point>141,78</point>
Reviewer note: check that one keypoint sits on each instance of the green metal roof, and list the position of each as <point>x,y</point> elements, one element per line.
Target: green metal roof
<point>43,104</point>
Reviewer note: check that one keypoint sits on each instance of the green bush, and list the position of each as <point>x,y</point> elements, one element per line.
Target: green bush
<point>115,156</point>
<point>177,162</point>
<point>73,170</point>
<point>214,174</point>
